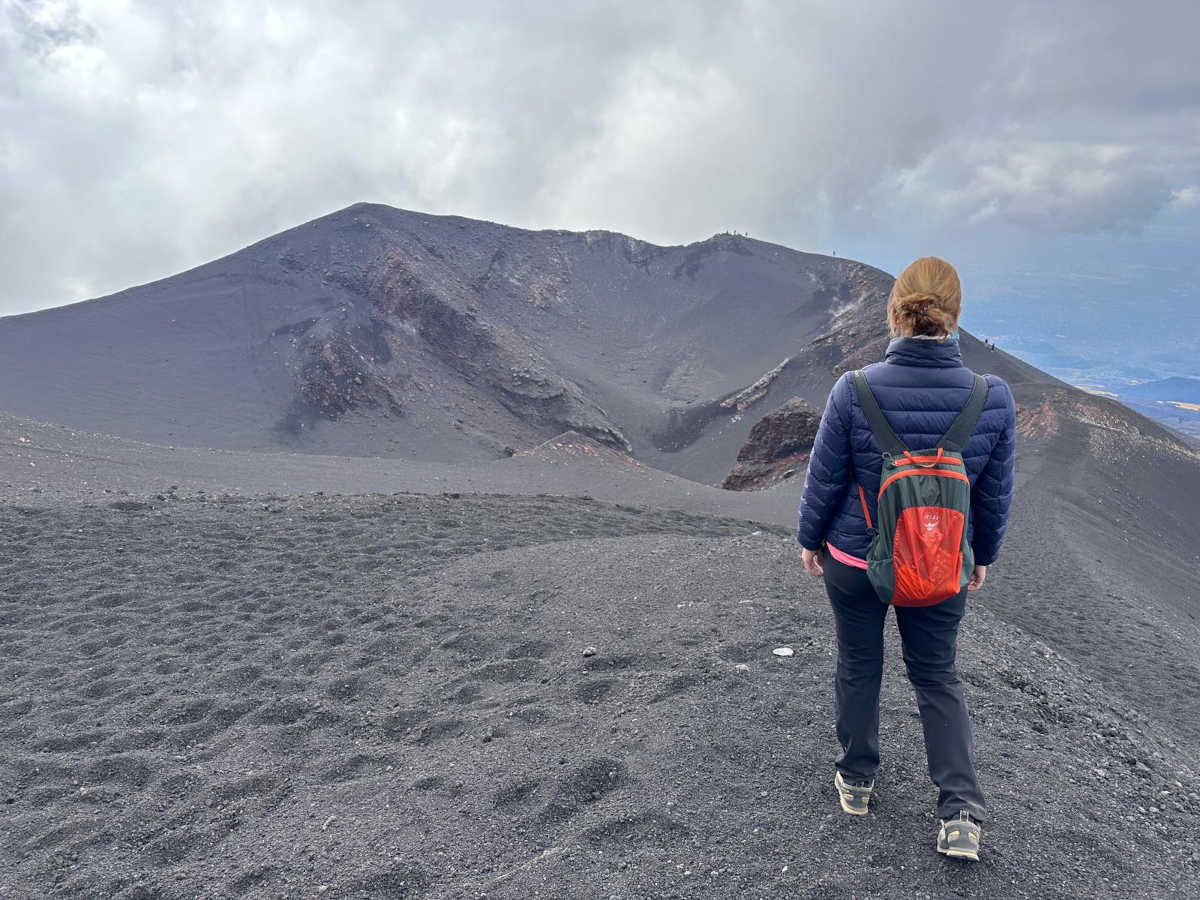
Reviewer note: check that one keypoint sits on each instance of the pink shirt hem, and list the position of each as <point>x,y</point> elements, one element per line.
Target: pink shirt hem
<point>846,558</point>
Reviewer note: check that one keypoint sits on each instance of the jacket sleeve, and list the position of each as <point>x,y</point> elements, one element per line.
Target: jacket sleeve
<point>991,497</point>
<point>829,468</point>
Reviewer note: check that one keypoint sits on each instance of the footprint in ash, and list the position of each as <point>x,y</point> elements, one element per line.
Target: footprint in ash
<point>650,828</point>
<point>590,783</point>
<point>514,796</point>
<point>594,690</point>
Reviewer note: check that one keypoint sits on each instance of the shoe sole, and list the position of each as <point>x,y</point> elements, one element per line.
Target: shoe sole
<point>956,852</point>
<point>959,854</point>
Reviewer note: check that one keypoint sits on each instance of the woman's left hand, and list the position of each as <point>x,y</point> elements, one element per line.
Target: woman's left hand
<point>812,562</point>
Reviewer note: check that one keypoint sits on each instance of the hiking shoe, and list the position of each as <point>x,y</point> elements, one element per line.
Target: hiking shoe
<point>853,794</point>
<point>959,837</point>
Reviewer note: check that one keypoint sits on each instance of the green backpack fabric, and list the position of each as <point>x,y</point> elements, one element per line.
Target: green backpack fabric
<point>919,552</point>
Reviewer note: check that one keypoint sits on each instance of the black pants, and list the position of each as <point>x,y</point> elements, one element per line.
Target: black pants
<point>930,638</point>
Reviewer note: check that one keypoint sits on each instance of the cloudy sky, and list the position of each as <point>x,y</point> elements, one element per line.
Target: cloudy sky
<point>1028,142</point>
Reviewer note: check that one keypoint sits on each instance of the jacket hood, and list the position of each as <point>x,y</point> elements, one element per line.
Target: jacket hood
<point>906,351</point>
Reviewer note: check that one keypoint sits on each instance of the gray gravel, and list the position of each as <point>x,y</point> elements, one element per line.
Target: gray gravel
<point>388,696</point>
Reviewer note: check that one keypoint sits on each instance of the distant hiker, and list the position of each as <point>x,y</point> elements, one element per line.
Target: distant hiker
<point>920,388</point>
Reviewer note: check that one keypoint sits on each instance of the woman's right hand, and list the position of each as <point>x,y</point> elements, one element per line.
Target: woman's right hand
<point>975,582</point>
<point>812,562</point>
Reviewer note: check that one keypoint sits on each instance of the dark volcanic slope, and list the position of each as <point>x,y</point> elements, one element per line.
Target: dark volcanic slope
<point>379,332</point>
<point>195,680</point>
<point>203,661</point>
<point>388,697</point>
<point>375,331</point>
<point>43,461</point>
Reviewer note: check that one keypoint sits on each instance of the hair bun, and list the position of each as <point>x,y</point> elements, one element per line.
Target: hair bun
<point>926,299</point>
<point>919,298</point>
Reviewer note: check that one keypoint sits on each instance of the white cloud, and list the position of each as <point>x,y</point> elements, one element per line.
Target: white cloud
<point>1186,197</point>
<point>1055,187</point>
<point>140,139</point>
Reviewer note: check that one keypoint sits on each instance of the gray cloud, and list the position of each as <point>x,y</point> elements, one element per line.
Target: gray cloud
<point>138,140</point>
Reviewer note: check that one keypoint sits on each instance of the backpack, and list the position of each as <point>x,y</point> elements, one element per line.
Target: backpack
<point>919,553</point>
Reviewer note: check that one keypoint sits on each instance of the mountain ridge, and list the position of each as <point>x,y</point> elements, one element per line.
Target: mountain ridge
<point>383,332</point>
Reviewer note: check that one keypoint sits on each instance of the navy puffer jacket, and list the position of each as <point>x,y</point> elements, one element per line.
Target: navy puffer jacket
<point>921,385</point>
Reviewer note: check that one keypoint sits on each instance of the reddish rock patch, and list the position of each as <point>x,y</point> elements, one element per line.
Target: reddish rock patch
<point>777,445</point>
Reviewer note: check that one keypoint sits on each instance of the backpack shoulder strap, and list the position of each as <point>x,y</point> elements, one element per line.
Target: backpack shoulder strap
<point>964,425</point>
<point>884,435</point>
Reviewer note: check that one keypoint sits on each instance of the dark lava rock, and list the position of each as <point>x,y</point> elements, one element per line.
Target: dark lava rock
<point>779,442</point>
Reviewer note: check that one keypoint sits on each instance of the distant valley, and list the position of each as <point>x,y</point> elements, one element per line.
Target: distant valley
<point>1106,348</point>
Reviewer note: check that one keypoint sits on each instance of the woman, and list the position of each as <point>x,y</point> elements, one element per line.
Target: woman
<point>921,386</point>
